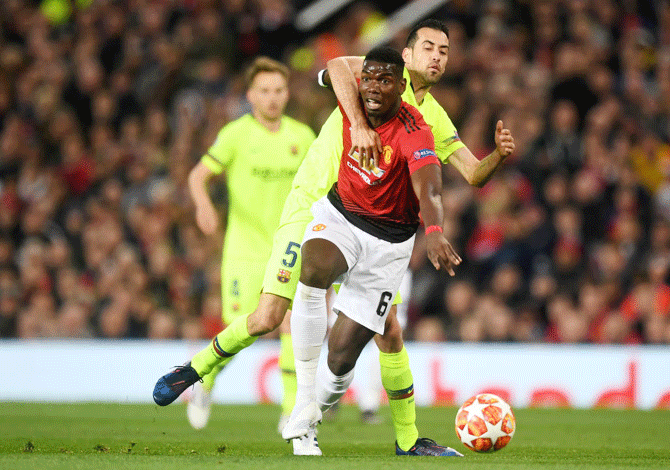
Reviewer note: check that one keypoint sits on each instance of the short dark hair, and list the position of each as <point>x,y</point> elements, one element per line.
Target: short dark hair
<point>387,55</point>
<point>427,23</point>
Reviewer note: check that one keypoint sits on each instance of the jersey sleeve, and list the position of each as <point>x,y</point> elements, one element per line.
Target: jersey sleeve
<point>420,150</point>
<point>220,155</point>
<point>448,141</point>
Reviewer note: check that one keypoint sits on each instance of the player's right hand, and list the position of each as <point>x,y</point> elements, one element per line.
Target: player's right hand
<point>368,144</point>
<point>504,140</point>
<point>206,218</point>
<point>441,253</point>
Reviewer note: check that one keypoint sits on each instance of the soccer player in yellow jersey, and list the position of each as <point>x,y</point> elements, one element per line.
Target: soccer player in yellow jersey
<point>425,56</point>
<point>260,154</point>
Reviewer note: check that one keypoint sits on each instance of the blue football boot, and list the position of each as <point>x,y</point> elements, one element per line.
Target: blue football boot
<point>171,385</point>
<point>425,446</point>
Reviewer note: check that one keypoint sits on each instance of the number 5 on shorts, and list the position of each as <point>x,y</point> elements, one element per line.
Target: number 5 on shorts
<point>292,254</point>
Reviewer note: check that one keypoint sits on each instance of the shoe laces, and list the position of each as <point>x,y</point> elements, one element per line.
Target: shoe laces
<point>184,366</point>
<point>427,442</point>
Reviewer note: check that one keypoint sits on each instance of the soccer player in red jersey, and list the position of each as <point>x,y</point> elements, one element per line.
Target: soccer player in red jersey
<point>362,236</point>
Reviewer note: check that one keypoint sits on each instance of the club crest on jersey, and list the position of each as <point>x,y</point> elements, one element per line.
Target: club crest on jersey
<point>419,154</point>
<point>318,227</point>
<point>388,153</point>
<point>294,150</point>
<point>284,276</point>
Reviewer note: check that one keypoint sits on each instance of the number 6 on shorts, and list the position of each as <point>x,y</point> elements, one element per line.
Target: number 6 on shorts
<point>383,303</point>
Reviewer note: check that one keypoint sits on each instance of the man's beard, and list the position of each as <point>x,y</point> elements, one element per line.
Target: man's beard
<point>428,80</point>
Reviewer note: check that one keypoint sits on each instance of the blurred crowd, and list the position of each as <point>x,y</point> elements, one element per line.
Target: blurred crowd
<point>106,105</point>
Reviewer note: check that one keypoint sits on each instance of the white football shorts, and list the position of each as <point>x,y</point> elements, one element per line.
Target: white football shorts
<point>376,267</point>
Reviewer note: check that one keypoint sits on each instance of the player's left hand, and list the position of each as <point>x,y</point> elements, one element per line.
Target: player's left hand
<point>368,144</point>
<point>504,140</point>
<point>441,254</point>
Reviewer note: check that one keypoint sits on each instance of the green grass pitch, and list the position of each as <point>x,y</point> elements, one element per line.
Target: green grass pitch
<point>122,436</point>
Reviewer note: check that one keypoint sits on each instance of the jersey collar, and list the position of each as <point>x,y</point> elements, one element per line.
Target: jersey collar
<point>408,96</point>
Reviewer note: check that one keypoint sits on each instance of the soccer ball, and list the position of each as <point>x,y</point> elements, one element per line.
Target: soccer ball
<point>485,423</point>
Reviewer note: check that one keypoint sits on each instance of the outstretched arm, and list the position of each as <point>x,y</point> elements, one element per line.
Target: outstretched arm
<point>479,172</point>
<point>427,183</point>
<point>341,74</point>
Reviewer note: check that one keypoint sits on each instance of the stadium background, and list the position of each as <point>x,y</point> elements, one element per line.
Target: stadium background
<point>106,105</point>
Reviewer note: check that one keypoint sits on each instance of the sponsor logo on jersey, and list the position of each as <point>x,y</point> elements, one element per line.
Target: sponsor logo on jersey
<point>363,173</point>
<point>273,173</point>
<point>284,276</point>
<point>318,227</point>
<point>388,153</point>
<point>419,154</point>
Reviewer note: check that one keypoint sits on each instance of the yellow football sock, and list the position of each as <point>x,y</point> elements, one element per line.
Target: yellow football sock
<point>209,379</point>
<point>287,368</point>
<point>223,347</point>
<point>399,384</point>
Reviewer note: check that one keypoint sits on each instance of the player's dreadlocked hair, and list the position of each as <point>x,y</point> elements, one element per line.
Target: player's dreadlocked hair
<point>387,55</point>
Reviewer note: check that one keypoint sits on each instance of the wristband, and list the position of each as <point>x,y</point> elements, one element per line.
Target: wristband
<point>320,76</point>
<point>433,228</point>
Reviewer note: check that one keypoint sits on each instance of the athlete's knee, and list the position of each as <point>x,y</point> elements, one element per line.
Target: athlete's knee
<point>344,350</point>
<point>391,341</point>
<point>316,274</point>
<point>322,263</point>
<point>262,324</point>
<point>267,317</point>
<point>340,362</point>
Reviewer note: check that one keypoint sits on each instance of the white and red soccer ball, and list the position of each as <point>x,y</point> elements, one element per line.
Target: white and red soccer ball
<point>485,423</point>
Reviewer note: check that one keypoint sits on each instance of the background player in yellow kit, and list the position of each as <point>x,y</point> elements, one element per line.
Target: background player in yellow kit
<point>260,154</point>
<point>425,56</point>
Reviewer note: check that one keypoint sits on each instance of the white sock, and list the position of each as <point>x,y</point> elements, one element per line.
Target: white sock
<point>309,322</point>
<point>331,387</point>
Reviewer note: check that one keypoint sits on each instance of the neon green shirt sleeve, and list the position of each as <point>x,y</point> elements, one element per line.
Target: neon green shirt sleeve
<point>222,152</point>
<point>447,140</point>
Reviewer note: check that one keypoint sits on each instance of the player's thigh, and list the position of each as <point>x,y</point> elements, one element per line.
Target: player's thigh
<point>369,287</point>
<point>396,301</point>
<point>329,224</point>
<point>282,270</point>
<point>241,282</point>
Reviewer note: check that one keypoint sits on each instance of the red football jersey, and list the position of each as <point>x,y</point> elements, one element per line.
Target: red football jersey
<point>385,194</point>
